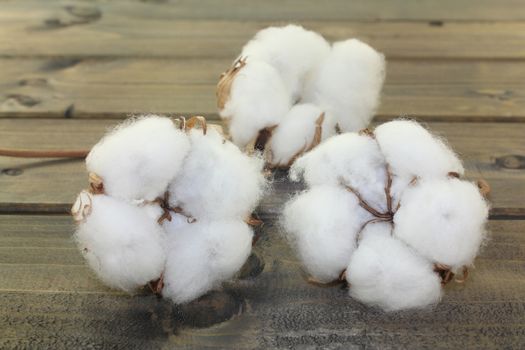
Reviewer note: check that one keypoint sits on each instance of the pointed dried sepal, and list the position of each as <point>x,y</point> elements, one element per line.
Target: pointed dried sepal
<point>196,120</point>
<point>82,207</point>
<point>484,187</point>
<point>96,184</point>
<point>225,83</point>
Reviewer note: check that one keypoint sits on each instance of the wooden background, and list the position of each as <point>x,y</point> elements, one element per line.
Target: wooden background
<point>71,69</point>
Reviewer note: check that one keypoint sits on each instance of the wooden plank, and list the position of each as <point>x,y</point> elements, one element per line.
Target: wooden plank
<point>275,10</point>
<point>55,31</point>
<point>280,309</point>
<point>87,88</point>
<point>494,151</point>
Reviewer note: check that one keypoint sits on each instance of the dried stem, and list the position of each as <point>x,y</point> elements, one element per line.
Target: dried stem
<point>18,153</point>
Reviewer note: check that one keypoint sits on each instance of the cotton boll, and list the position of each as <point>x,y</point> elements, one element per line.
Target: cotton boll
<point>202,255</point>
<point>443,220</point>
<point>258,99</point>
<point>139,158</point>
<point>348,83</point>
<point>294,134</point>
<point>292,50</point>
<point>121,243</point>
<point>413,151</point>
<point>322,225</point>
<point>350,158</point>
<point>217,180</point>
<point>385,272</point>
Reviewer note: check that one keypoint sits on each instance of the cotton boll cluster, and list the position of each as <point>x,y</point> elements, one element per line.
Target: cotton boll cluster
<point>399,222</point>
<point>184,233</point>
<point>290,89</point>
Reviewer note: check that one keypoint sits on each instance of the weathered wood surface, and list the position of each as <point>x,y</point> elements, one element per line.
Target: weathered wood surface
<point>288,11</point>
<point>49,300</point>
<point>493,151</point>
<point>68,66</point>
<point>98,88</point>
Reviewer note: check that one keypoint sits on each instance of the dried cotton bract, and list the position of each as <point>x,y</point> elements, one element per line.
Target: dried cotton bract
<point>289,90</point>
<point>388,212</point>
<point>167,207</point>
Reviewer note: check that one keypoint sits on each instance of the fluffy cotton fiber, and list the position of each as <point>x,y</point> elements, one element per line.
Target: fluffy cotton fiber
<point>443,220</point>
<point>282,66</point>
<point>139,158</point>
<point>186,227</point>
<point>258,99</point>
<point>347,84</point>
<point>204,254</point>
<point>419,218</point>
<point>292,50</point>
<point>385,272</point>
<point>121,243</point>
<point>217,180</point>
<point>322,224</point>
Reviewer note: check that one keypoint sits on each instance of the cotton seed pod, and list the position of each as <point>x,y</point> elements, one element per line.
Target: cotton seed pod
<point>203,255</point>
<point>420,229</point>
<point>384,272</point>
<point>347,84</point>
<point>121,243</point>
<point>292,50</point>
<point>138,158</point>
<point>258,99</point>
<point>217,180</point>
<point>412,151</point>
<point>322,225</point>
<point>282,70</point>
<point>444,220</point>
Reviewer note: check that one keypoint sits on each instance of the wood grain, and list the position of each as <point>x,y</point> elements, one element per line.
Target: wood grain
<point>98,88</point>
<point>281,310</point>
<point>130,30</point>
<point>493,151</point>
<point>275,10</point>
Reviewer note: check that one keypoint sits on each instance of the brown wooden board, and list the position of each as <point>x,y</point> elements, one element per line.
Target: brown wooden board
<point>112,32</point>
<point>97,88</point>
<point>85,13</point>
<point>493,151</point>
<point>50,300</point>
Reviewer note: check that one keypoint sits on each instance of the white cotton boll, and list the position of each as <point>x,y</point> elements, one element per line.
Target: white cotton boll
<point>139,158</point>
<point>444,220</point>
<point>217,180</point>
<point>292,50</point>
<point>203,255</point>
<point>294,134</point>
<point>411,150</point>
<point>347,84</point>
<point>121,243</point>
<point>384,272</point>
<point>322,225</point>
<point>258,99</point>
<point>351,158</point>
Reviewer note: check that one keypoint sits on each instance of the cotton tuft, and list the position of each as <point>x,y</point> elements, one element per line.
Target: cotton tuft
<point>138,158</point>
<point>292,50</point>
<point>444,220</point>
<point>322,225</point>
<point>121,243</point>
<point>204,254</point>
<point>347,84</point>
<point>386,273</point>
<point>258,99</point>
